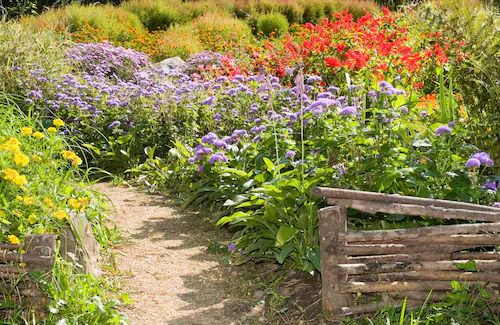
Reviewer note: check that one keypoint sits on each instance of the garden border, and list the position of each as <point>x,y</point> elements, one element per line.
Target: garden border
<point>402,263</point>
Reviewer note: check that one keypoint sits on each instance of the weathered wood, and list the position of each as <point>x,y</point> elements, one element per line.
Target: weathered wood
<point>10,247</point>
<point>374,306</point>
<point>383,249</point>
<point>5,256</point>
<point>374,287</point>
<point>338,193</point>
<point>417,210</point>
<point>409,233</point>
<point>369,268</point>
<point>43,245</point>
<point>428,275</point>
<point>472,240</point>
<point>332,220</point>
<point>425,257</point>
<point>435,295</point>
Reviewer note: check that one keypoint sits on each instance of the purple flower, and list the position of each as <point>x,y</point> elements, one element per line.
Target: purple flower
<point>290,154</point>
<point>404,110</point>
<point>219,156</point>
<point>333,89</point>
<point>349,110</point>
<point>423,113</point>
<point>200,168</point>
<point>114,125</point>
<point>204,151</point>
<point>240,251</point>
<point>490,185</point>
<point>220,144</point>
<point>208,101</point>
<point>496,205</point>
<point>240,133</point>
<point>16,68</point>
<point>451,124</point>
<point>313,79</point>
<point>239,77</point>
<point>483,157</point>
<point>209,138</point>
<point>443,129</point>
<point>231,247</point>
<point>473,162</point>
<point>192,160</point>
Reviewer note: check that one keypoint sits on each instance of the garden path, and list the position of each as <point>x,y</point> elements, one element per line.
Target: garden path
<point>165,266</point>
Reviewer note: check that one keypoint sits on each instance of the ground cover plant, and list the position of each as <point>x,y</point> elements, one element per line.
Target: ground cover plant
<point>248,126</point>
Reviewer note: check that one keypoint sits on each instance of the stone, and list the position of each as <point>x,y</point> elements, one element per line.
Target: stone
<point>175,63</point>
<point>259,294</point>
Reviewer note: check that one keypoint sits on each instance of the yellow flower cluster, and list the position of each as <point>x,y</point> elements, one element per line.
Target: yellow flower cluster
<point>70,155</point>
<point>14,177</point>
<point>61,215</point>
<point>77,204</point>
<point>13,239</point>
<point>11,145</point>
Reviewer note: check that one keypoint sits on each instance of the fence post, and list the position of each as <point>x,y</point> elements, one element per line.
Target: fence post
<point>332,220</point>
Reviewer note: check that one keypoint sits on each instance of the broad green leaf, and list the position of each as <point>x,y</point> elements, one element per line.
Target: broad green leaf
<point>237,214</point>
<point>285,251</point>
<point>268,163</point>
<point>313,255</point>
<point>422,143</point>
<point>234,171</point>
<point>285,233</point>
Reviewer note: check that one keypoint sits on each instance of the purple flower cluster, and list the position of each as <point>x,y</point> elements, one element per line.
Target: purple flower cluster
<point>105,59</point>
<point>479,158</point>
<point>443,129</point>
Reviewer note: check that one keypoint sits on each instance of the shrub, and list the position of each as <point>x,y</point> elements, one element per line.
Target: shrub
<point>111,20</point>
<point>221,32</point>
<point>155,14</point>
<point>41,50</point>
<point>272,24</point>
<point>181,41</point>
<point>313,12</point>
<point>293,12</point>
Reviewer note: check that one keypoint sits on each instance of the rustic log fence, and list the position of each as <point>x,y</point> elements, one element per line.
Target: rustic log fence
<point>402,263</point>
<point>16,264</point>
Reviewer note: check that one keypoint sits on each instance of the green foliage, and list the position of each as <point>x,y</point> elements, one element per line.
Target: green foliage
<point>314,12</point>
<point>114,20</point>
<point>40,49</point>
<point>155,14</point>
<point>272,24</point>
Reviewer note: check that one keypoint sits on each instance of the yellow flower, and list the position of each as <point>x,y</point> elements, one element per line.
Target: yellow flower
<point>83,201</point>
<point>70,155</point>
<point>36,157</point>
<point>26,131</point>
<point>17,213</point>
<point>32,218</point>
<point>13,239</point>
<point>11,145</point>
<point>48,202</point>
<point>74,204</point>
<point>38,135</point>
<point>28,200</point>
<point>14,177</point>
<point>52,129</point>
<point>19,197</point>
<point>21,159</point>
<point>58,122</point>
<point>61,215</point>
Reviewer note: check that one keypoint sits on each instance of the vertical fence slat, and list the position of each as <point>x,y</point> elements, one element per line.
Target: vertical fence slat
<point>332,220</point>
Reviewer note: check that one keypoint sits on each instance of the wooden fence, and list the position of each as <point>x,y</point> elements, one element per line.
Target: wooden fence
<point>17,263</point>
<point>402,263</point>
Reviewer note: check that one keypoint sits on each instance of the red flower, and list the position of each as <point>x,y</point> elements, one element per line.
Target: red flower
<point>333,62</point>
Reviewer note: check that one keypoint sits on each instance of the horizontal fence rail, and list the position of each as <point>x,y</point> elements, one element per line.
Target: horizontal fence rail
<point>403,263</point>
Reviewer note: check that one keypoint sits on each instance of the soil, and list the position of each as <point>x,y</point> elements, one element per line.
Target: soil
<point>172,278</point>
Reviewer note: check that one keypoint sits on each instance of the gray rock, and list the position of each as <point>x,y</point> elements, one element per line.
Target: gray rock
<point>175,63</point>
<point>259,294</point>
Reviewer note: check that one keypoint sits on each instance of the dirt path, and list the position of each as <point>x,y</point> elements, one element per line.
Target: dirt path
<point>166,268</point>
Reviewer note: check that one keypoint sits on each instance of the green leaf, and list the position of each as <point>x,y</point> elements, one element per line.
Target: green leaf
<point>238,214</point>
<point>285,251</point>
<point>234,171</point>
<point>285,233</point>
<point>313,255</point>
<point>470,266</point>
<point>268,163</point>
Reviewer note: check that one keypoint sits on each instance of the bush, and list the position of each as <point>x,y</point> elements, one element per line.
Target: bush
<point>221,32</point>
<point>272,24</point>
<point>155,14</point>
<point>40,50</point>
<point>293,12</point>
<point>111,20</point>
<point>181,41</point>
<point>314,12</point>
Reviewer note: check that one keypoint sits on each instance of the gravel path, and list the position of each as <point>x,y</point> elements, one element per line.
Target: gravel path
<point>165,266</point>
